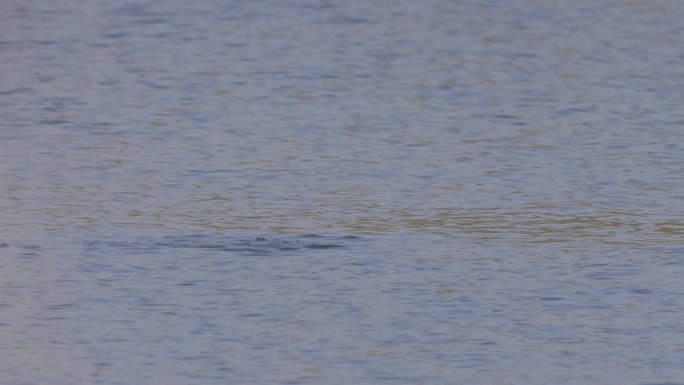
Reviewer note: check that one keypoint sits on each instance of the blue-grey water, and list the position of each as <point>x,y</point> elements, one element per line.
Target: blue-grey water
<point>341,192</point>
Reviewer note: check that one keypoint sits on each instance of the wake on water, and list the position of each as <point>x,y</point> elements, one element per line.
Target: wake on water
<point>256,245</point>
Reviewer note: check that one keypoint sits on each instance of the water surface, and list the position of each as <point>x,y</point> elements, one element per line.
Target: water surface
<point>318,192</point>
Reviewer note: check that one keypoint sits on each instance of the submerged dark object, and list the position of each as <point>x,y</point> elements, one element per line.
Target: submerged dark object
<point>254,245</point>
<point>249,243</point>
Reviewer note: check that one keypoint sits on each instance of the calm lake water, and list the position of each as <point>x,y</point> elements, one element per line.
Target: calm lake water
<point>329,192</point>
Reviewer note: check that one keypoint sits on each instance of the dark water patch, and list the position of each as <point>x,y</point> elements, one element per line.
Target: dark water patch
<point>317,246</point>
<point>52,122</point>
<point>15,91</point>
<point>265,245</point>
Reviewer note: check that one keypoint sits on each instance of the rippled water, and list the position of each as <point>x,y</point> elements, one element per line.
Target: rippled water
<point>322,192</point>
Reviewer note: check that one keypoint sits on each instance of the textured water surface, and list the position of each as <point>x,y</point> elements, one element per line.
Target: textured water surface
<point>359,192</point>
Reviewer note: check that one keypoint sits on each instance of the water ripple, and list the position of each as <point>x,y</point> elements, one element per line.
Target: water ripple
<point>260,245</point>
